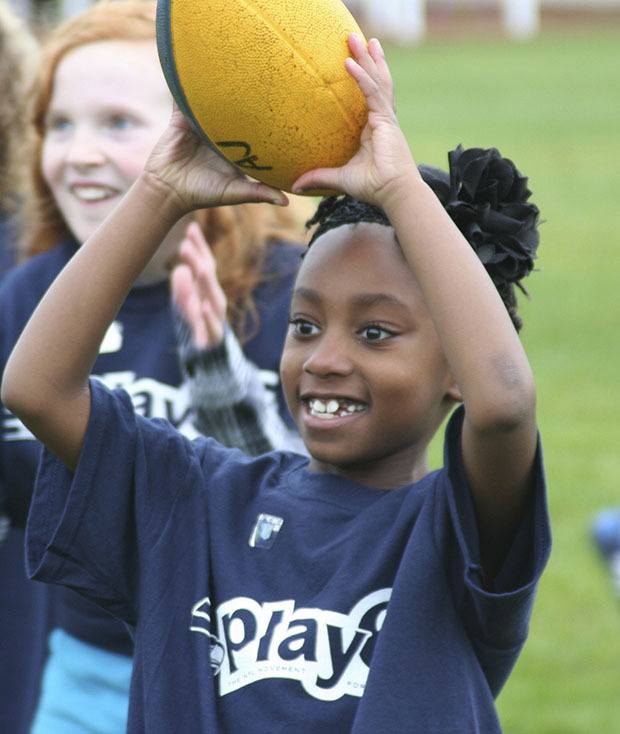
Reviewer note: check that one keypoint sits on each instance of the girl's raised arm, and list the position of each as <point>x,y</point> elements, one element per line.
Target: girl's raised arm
<point>485,355</point>
<point>45,382</point>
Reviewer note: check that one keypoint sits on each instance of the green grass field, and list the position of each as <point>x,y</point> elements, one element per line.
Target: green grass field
<point>553,105</point>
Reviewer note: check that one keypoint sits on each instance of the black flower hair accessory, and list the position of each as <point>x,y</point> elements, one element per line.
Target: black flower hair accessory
<point>487,198</point>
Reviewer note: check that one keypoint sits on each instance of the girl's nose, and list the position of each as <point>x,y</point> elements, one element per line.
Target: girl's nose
<point>328,358</point>
<point>84,150</point>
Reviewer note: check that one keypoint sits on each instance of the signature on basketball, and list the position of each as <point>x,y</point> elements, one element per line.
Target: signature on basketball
<point>245,158</point>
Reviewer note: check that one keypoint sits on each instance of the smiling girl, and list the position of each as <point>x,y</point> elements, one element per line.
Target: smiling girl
<point>354,591</point>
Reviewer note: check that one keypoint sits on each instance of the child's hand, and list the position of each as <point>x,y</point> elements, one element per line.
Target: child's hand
<point>199,177</point>
<point>197,291</point>
<point>384,161</point>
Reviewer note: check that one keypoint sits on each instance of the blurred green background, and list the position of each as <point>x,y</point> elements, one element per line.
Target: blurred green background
<point>553,106</point>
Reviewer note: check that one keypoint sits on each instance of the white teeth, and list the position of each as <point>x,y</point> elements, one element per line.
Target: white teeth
<point>333,408</point>
<point>91,193</point>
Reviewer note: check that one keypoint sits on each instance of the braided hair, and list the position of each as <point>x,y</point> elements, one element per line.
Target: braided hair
<point>486,197</point>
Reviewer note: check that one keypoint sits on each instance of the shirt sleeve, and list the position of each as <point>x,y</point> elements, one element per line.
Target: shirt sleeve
<point>93,529</point>
<point>496,619</point>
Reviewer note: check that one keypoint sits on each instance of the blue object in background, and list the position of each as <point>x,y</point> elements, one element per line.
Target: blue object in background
<point>606,536</point>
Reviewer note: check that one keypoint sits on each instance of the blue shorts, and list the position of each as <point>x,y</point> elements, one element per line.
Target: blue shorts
<point>85,689</point>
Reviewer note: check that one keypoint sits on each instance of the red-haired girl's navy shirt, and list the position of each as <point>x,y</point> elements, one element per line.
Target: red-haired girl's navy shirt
<point>26,608</point>
<point>139,355</point>
<point>265,597</point>
<point>8,241</point>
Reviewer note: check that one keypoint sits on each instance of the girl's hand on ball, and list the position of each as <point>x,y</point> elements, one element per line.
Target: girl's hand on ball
<point>383,161</point>
<point>197,292</point>
<point>197,175</point>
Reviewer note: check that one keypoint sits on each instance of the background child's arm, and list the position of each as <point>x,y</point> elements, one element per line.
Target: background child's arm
<point>45,381</point>
<point>483,350</point>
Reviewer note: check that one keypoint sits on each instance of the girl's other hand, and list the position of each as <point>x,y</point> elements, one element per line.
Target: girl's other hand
<point>383,161</point>
<point>196,290</point>
<point>197,176</point>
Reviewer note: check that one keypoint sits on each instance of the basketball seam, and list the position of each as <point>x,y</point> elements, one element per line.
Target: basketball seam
<point>305,60</point>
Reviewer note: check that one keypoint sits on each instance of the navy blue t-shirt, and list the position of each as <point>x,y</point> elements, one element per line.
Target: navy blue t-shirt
<point>139,355</point>
<point>26,607</point>
<point>265,597</point>
<point>8,240</point>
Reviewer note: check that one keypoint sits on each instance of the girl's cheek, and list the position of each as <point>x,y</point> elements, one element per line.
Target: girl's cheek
<point>51,161</point>
<point>289,372</point>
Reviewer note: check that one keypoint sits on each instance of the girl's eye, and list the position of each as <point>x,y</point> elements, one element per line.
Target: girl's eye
<point>57,124</point>
<point>120,122</point>
<point>374,333</point>
<point>302,327</point>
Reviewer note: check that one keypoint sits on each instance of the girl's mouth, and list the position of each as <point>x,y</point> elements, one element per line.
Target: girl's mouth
<point>93,193</point>
<point>328,409</point>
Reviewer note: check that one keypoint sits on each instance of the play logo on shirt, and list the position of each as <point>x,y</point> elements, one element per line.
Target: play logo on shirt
<point>327,652</point>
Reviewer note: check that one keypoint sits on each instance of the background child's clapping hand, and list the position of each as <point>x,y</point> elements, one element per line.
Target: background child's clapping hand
<point>384,160</point>
<point>197,176</point>
<point>197,292</point>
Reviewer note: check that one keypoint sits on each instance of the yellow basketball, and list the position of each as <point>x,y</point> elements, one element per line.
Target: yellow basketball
<point>264,81</point>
